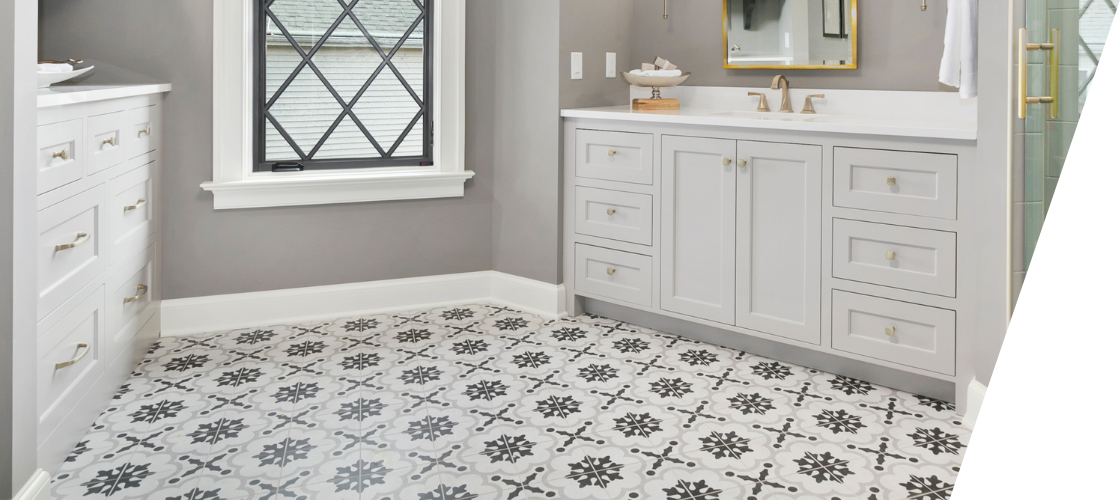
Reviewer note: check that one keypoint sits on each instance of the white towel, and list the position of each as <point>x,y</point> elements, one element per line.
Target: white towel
<point>56,68</point>
<point>959,63</point>
<point>662,73</point>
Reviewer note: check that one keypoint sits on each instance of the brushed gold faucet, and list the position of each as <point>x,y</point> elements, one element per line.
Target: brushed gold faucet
<point>783,82</point>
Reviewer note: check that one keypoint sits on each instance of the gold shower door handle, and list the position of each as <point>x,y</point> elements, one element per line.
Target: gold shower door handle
<point>1054,47</point>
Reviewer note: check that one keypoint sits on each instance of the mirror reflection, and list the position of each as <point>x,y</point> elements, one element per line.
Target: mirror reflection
<point>790,34</point>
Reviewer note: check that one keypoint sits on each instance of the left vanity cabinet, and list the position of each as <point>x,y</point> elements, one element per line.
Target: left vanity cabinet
<point>98,247</point>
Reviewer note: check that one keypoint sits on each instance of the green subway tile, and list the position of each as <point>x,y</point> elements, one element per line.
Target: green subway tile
<point>1059,137</point>
<point>1051,185</point>
<point>1033,217</point>
<point>1034,170</point>
<point>1069,78</point>
<point>1067,21</point>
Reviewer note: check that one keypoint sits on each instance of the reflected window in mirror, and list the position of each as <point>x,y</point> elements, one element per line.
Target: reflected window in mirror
<point>790,34</point>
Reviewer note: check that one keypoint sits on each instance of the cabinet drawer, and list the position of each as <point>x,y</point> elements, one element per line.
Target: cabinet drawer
<point>60,158</point>
<point>900,182</point>
<point>615,215</point>
<point>130,212</point>
<point>141,126</point>
<point>71,249</point>
<point>612,274</point>
<point>127,293</point>
<point>614,156</point>
<point>76,339</point>
<point>908,334</point>
<point>105,133</point>
<point>921,260</point>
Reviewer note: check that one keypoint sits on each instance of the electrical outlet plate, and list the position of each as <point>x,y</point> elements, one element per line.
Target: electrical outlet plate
<point>612,65</point>
<point>577,65</point>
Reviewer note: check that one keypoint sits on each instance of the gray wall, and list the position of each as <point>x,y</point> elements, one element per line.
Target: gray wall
<point>523,45</point>
<point>594,27</point>
<point>18,420</point>
<point>899,46</point>
<point>210,252</point>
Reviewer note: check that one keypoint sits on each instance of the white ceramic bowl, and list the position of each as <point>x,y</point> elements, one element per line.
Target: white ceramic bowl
<point>47,79</point>
<point>654,81</point>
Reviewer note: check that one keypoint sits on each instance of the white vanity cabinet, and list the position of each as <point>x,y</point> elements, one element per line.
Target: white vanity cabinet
<point>98,252</point>
<point>836,250</point>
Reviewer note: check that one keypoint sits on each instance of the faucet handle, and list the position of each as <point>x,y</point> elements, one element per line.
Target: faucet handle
<point>762,105</point>
<point>808,110</point>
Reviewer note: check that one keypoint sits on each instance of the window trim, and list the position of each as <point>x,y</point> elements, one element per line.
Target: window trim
<point>236,185</point>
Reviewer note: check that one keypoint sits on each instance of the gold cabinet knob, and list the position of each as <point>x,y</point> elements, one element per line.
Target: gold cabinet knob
<point>146,131</point>
<point>890,331</point>
<point>726,161</point>
<point>742,163</point>
<point>611,211</point>
<point>112,141</point>
<point>891,255</point>
<point>61,154</point>
<point>891,180</point>
<point>611,152</point>
<point>611,271</point>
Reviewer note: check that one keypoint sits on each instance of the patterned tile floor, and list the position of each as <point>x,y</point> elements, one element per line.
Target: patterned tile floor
<point>485,402</point>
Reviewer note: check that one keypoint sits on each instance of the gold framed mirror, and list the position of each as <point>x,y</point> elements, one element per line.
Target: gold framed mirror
<point>790,34</point>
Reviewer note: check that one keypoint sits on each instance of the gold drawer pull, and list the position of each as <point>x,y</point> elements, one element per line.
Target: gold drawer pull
<point>891,180</point>
<point>146,131</point>
<point>891,255</point>
<point>726,161</point>
<point>611,152</point>
<point>112,141</point>
<point>611,271</point>
<point>890,331</point>
<point>611,211</point>
<point>81,240</point>
<point>139,203</point>
<point>141,291</point>
<point>61,154</point>
<point>85,350</point>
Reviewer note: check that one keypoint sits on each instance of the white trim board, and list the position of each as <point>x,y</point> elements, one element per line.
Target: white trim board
<point>976,393</point>
<point>296,305</point>
<point>38,487</point>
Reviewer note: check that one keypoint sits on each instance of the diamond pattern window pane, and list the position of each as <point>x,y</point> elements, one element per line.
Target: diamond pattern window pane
<point>344,79</point>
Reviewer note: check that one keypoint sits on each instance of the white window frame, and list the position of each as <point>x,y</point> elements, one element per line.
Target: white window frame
<point>236,185</point>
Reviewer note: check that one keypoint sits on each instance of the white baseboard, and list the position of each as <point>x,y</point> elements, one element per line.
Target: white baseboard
<point>36,488</point>
<point>246,310</point>
<point>976,393</point>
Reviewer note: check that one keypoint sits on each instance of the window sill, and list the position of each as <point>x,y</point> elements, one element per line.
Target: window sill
<point>285,190</point>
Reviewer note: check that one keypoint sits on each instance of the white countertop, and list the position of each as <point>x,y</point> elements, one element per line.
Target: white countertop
<point>59,95</point>
<point>901,126</point>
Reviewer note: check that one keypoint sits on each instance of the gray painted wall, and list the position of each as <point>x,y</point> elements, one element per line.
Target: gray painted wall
<point>524,46</point>
<point>899,46</point>
<point>18,420</point>
<point>209,252</point>
<point>594,27</point>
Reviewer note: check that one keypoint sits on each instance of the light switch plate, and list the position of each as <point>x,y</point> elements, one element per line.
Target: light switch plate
<point>577,65</point>
<point>612,65</point>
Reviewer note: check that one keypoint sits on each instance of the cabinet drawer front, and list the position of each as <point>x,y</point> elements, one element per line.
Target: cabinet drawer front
<point>615,215</point>
<point>130,212</point>
<point>614,156</point>
<point>72,249</point>
<point>127,293</point>
<point>921,260</point>
<point>612,274</point>
<point>77,335</point>
<point>61,159</point>
<point>105,133</point>
<point>141,126</point>
<point>900,182</point>
<point>898,332</point>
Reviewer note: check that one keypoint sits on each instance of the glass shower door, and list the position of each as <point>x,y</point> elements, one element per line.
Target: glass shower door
<point>1045,137</point>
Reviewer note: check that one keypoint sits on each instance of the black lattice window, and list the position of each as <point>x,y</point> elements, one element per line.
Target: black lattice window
<point>343,84</point>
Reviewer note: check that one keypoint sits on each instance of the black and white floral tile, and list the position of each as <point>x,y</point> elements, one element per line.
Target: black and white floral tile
<point>485,402</point>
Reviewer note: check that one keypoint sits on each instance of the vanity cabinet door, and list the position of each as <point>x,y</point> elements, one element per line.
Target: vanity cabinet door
<point>698,227</point>
<point>779,240</point>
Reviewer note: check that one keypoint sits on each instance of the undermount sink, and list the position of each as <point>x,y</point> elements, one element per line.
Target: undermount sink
<point>769,116</point>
